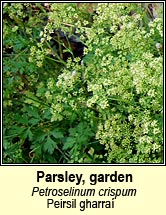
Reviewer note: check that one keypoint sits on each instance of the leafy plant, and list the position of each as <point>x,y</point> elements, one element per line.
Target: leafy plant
<point>63,104</point>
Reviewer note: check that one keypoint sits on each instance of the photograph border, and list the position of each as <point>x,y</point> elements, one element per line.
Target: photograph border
<point>83,164</point>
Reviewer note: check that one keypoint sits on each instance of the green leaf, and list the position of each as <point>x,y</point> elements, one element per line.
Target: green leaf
<point>34,121</point>
<point>32,99</point>
<point>73,117</point>
<point>15,130</point>
<point>22,119</point>
<point>49,145</point>
<point>37,148</point>
<point>40,136</point>
<point>57,134</point>
<point>29,134</point>
<point>6,144</point>
<point>47,114</point>
<point>69,143</point>
<point>32,111</point>
<point>72,131</point>
<point>88,58</point>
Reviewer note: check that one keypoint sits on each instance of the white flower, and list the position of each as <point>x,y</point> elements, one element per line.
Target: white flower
<point>41,33</point>
<point>156,131</point>
<point>158,45</point>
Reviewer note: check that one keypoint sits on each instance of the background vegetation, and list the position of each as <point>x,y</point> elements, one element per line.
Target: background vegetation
<point>66,104</point>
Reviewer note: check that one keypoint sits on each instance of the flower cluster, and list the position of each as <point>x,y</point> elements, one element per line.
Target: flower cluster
<point>107,105</point>
<point>118,85</point>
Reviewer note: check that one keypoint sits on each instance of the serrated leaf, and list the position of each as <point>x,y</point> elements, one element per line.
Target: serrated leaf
<point>22,119</point>
<point>32,111</point>
<point>49,145</point>
<point>29,134</point>
<point>36,148</point>
<point>69,143</point>
<point>34,121</point>
<point>47,114</point>
<point>16,130</point>
<point>57,134</point>
<point>73,131</point>
<point>40,136</point>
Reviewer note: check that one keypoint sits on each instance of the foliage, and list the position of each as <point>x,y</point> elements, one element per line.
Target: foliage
<point>103,107</point>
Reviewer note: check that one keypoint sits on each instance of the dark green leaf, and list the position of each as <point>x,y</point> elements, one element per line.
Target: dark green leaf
<point>57,134</point>
<point>49,145</point>
<point>34,121</point>
<point>29,134</point>
<point>32,111</point>
<point>47,114</point>
<point>69,143</point>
